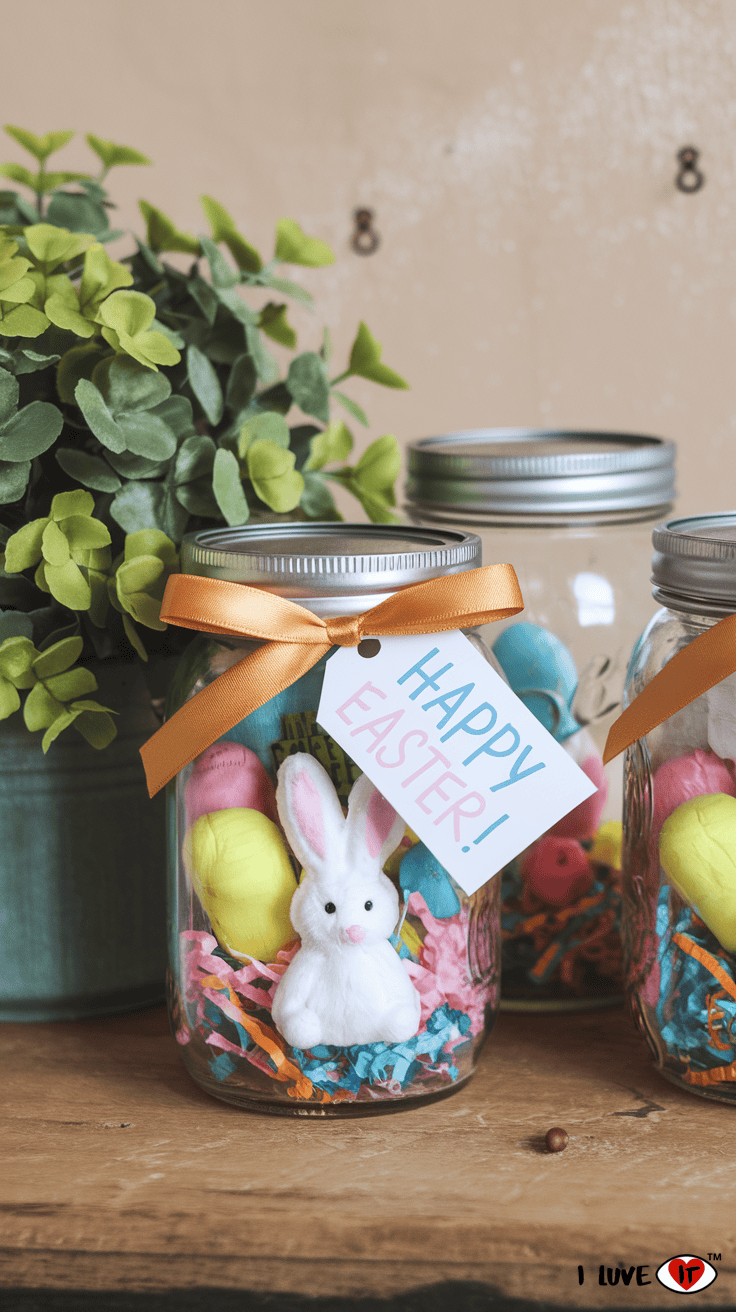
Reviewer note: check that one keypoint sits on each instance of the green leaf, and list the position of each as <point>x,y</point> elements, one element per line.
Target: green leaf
<point>269,427</point>
<point>241,384</point>
<point>78,212</point>
<point>295,247</point>
<point>16,661</point>
<point>30,432</point>
<point>23,549</point>
<point>147,435</point>
<point>112,154</point>
<point>76,502</point>
<point>18,173</point>
<point>13,481</point>
<point>75,683</point>
<point>365,360</point>
<point>194,459</point>
<point>378,467</point>
<point>163,234</point>
<point>131,386</point>
<point>54,545</point>
<point>68,585</point>
<point>23,321</point>
<point>143,505</point>
<point>97,726</point>
<point>127,316</point>
<point>199,499</point>
<point>61,722</point>
<point>374,506</point>
<point>228,488</point>
<point>176,413</point>
<point>309,386</point>
<point>30,362</point>
<point>9,699</point>
<point>273,476</point>
<point>39,147</point>
<point>205,297</point>
<point>351,406</point>
<point>223,277</point>
<point>316,500</point>
<point>292,289</point>
<point>224,229</point>
<point>52,246</point>
<point>40,709</point>
<point>83,533</point>
<point>58,658</point>
<point>334,443</point>
<point>151,542</point>
<point>92,471</point>
<point>9,392</point>
<point>93,407</point>
<point>272,321</point>
<point>205,384</point>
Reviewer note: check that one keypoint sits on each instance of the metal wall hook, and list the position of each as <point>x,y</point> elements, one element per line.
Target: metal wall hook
<point>689,177</point>
<point>365,239</point>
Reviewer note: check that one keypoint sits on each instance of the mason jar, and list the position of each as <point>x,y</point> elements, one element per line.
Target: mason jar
<point>679,877</point>
<point>574,511</point>
<point>274,806</point>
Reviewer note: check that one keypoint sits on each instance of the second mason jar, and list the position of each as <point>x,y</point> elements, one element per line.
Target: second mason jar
<point>574,512</point>
<point>286,861</point>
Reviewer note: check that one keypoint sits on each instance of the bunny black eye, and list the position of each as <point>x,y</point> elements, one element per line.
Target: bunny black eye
<point>368,906</point>
<point>330,908</point>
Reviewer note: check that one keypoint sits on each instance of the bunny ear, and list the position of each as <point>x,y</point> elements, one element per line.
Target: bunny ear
<point>373,825</point>
<point>309,810</point>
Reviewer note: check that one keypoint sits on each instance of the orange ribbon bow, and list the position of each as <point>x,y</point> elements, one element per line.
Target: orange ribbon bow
<point>294,640</point>
<point>706,661</point>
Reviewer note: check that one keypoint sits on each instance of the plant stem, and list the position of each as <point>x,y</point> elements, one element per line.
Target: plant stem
<point>341,377</point>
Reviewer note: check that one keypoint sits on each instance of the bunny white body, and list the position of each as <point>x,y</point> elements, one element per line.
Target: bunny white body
<point>346,985</point>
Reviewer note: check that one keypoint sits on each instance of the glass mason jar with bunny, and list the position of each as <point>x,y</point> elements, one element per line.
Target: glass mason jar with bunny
<point>322,960</point>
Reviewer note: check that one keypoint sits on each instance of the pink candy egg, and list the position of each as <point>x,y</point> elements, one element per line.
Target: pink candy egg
<point>683,777</point>
<point>229,775</point>
<point>583,821</point>
<point>557,871</point>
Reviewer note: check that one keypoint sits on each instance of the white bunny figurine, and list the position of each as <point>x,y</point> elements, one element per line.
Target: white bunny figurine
<point>346,984</point>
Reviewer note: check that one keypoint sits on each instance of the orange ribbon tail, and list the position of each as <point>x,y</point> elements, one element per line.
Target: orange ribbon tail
<point>706,661</point>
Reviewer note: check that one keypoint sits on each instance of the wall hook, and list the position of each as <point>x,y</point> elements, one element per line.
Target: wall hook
<point>689,177</point>
<point>365,239</point>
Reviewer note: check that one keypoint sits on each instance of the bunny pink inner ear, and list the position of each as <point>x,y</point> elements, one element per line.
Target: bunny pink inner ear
<point>307,808</point>
<point>379,819</point>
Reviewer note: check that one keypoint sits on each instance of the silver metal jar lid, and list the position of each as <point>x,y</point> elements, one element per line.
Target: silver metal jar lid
<point>308,559</point>
<point>537,472</point>
<point>694,564</point>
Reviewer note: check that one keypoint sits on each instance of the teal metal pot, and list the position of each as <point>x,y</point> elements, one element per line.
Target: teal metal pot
<point>82,862</point>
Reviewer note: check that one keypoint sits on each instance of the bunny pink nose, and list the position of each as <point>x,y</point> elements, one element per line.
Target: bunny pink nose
<point>355,933</point>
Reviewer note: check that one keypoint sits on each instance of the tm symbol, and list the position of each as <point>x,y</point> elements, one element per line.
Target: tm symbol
<point>714,1257</point>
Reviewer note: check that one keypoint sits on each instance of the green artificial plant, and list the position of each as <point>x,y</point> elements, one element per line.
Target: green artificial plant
<point>139,402</point>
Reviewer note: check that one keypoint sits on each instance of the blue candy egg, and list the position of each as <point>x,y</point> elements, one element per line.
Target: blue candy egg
<point>542,673</point>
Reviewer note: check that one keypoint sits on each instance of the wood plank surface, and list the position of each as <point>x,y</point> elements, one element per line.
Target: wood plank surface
<point>118,1172</point>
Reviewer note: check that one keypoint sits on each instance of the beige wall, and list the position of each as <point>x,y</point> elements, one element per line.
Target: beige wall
<point>538,265</point>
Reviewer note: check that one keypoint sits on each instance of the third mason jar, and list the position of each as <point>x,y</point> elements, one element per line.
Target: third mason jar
<point>574,512</point>
<point>680,812</point>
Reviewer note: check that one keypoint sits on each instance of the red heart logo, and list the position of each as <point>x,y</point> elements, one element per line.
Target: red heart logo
<point>685,1273</point>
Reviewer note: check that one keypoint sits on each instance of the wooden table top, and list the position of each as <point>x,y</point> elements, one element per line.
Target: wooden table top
<point>119,1173</point>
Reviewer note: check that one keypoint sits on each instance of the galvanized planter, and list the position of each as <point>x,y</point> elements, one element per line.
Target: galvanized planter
<point>82,862</point>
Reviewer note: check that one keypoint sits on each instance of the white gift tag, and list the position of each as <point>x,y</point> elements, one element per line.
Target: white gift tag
<point>455,752</point>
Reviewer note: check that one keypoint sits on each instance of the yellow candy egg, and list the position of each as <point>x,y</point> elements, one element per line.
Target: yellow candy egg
<point>242,875</point>
<point>697,849</point>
